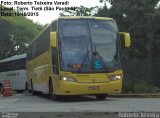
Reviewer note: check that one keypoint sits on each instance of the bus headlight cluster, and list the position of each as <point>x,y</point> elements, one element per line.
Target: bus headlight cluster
<point>116,77</point>
<point>70,79</point>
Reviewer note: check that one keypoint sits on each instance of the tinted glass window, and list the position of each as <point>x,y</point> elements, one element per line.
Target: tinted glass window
<point>54,26</point>
<point>40,45</point>
<point>88,45</point>
<point>13,65</point>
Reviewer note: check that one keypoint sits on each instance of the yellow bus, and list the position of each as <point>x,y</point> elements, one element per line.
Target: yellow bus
<point>77,56</point>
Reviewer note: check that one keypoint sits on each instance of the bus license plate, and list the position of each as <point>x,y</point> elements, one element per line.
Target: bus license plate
<point>93,87</point>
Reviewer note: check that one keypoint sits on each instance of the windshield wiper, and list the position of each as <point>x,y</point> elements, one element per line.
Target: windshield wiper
<point>84,59</point>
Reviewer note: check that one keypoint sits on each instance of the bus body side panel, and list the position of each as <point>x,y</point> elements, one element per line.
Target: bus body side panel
<point>40,71</point>
<point>18,79</point>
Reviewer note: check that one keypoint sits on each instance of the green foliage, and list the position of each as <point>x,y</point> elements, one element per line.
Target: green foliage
<point>15,34</point>
<point>143,88</point>
<point>81,11</point>
<point>137,86</point>
<point>5,29</point>
<point>24,32</point>
<point>103,12</point>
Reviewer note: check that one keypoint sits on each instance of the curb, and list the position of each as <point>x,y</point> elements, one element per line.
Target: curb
<point>139,95</point>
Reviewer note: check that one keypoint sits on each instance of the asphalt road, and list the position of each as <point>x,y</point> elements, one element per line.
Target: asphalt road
<point>28,103</point>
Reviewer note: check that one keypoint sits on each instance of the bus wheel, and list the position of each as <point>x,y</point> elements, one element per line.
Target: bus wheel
<point>1,88</point>
<point>26,86</point>
<point>101,96</point>
<point>32,91</point>
<point>51,94</point>
<point>20,91</point>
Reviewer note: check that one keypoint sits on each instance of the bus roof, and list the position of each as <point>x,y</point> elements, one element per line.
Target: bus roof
<point>15,57</point>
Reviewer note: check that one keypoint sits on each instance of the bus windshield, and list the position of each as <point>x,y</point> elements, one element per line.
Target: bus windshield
<point>88,45</point>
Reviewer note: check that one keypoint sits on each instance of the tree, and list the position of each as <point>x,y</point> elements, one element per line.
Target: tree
<point>103,12</point>
<point>15,34</point>
<point>81,11</point>
<point>5,29</point>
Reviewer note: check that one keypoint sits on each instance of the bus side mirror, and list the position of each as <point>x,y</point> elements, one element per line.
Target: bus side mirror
<point>53,39</point>
<point>126,39</point>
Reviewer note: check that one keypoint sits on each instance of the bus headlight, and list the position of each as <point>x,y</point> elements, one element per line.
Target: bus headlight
<point>116,77</point>
<point>70,79</point>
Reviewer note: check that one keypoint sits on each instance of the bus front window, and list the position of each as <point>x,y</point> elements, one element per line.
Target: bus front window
<point>88,45</point>
<point>105,44</point>
<point>74,38</point>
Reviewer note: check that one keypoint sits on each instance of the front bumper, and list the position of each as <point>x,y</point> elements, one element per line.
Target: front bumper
<point>75,88</point>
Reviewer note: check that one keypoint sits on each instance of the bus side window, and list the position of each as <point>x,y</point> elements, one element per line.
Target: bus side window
<point>54,26</point>
<point>55,61</point>
<point>122,41</point>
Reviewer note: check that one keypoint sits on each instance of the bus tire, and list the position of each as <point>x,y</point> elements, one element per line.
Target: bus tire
<point>101,96</point>
<point>51,93</point>
<point>1,88</point>
<point>26,86</point>
<point>29,87</point>
<point>20,91</point>
<point>32,91</point>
